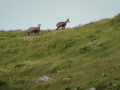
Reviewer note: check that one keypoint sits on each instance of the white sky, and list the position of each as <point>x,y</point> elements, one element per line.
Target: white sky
<point>22,14</point>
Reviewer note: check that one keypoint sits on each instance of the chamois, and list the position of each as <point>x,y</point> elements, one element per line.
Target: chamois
<point>34,29</point>
<point>62,24</point>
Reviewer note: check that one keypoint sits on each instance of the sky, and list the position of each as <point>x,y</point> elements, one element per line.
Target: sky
<point>22,14</point>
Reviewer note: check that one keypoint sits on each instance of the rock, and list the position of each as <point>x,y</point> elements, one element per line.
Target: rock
<point>66,78</point>
<point>43,79</point>
<point>91,89</point>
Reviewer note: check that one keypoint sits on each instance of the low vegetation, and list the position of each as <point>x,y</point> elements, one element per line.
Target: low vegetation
<point>88,55</point>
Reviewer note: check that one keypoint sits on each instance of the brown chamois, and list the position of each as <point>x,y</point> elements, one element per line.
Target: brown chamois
<point>62,24</point>
<point>34,29</point>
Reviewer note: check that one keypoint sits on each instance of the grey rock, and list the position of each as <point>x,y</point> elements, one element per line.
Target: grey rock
<point>66,78</point>
<point>43,79</point>
<point>91,89</point>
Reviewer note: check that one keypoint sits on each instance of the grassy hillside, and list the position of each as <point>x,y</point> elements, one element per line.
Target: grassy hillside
<point>89,55</point>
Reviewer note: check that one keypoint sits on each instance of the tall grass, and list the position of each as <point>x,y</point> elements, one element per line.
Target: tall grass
<point>88,55</point>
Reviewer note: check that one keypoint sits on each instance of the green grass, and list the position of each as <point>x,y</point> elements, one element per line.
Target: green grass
<point>89,55</point>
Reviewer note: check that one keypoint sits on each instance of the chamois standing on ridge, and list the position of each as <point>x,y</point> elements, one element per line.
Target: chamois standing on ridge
<point>62,24</point>
<point>34,29</point>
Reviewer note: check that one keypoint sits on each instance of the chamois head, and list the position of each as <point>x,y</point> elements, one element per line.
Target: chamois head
<point>39,25</point>
<point>68,20</point>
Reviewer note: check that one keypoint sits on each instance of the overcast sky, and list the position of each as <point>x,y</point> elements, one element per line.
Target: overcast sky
<point>22,14</point>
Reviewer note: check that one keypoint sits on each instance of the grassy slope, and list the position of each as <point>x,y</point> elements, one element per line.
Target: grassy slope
<point>88,54</point>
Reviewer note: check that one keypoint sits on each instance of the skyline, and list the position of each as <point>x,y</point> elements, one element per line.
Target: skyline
<point>23,14</point>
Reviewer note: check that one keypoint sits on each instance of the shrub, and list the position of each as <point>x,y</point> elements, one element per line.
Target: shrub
<point>17,80</point>
<point>84,49</point>
<point>92,37</point>
<point>2,83</point>
<point>19,65</point>
<point>110,85</point>
<point>74,88</point>
<point>70,44</point>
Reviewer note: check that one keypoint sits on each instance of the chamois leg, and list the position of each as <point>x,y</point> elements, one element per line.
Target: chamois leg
<point>57,28</point>
<point>35,33</point>
<point>63,27</point>
<point>28,33</point>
